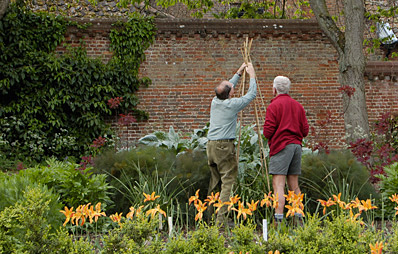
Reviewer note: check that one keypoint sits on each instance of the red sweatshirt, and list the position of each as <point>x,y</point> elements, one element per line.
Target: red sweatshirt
<point>285,123</point>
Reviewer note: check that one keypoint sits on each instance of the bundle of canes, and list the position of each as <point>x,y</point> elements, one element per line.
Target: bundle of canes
<point>247,59</point>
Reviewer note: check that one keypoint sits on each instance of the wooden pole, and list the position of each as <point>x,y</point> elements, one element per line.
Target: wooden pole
<point>246,57</point>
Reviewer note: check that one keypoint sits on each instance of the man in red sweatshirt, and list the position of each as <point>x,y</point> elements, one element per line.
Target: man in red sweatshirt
<point>285,126</point>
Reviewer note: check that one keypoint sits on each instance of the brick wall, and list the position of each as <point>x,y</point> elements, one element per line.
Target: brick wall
<point>190,57</point>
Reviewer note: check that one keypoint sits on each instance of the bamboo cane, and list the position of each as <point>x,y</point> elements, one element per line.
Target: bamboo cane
<point>246,57</point>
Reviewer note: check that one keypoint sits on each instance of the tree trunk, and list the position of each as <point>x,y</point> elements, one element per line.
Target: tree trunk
<point>351,59</point>
<point>3,7</point>
<point>352,67</point>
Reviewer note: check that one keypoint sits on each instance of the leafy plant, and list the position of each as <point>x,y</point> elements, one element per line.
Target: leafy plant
<point>206,239</point>
<point>244,239</point>
<point>55,105</point>
<point>26,225</point>
<point>388,186</point>
<point>138,234</point>
<point>337,172</point>
<point>72,185</point>
<point>13,190</point>
<point>131,172</point>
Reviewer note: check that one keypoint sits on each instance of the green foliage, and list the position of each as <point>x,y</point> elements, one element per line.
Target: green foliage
<point>339,235</point>
<point>138,234</point>
<point>56,105</point>
<point>324,175</point>
<point>206,239</point>
<point>75,187</point>
<point>252,179</point>
<point>392,246</point>
<point>389,186</point>
<point>178,245</point>
<point>13,190</point>
<point>25,226</point>
<point>130,173</point>
<point>252,10</point>
<point>176,141</point>
<point>244,239</point>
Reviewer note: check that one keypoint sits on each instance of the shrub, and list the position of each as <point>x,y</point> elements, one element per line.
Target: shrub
<point>25,226</point>
<point>74,186</point>
<point>337,172</point>
<point>153,169</point>
<point>206,239</point>
<point>13,190</point>
<point>388,186</point>
<point>138,234</point>
<point>244,239</point>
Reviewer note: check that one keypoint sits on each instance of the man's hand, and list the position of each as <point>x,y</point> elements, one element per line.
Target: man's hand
<point>250,70</point>
<point>241,68</point>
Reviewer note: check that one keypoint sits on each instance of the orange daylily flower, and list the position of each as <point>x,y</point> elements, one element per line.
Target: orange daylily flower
<point>97,212</point>
<point>68,214</point>
<point>396,208</point>
<point>242,211</point>
<point>266,200</point>
<point>275,201</point>
<point>327,203</point>
<point>377,248</point>
<point>151,197</point>
<point>291,197</point>
<point>366,205</point>
<point>219,204</point>
<point>338,200</point>
<point>153,211</point>
<point>80,214</point>
<point>131,213</point>
<point>213,198</point>
<point>116,217</point>
<point>394,198</point>
<point>252,206</point>
<point>194,198</point>
<point>201,207</point>
<point>139,210</point>
<point>271,252</point>
<point>356,203</point>
<point>232,201</point>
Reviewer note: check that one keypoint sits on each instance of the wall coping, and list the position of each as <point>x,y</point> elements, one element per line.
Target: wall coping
<point>239,27</point>
<point>382,70</point>
<point>210,26</point>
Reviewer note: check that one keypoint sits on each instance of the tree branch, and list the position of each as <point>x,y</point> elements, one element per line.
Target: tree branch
<point>3,7</point>
<point>327,24</point>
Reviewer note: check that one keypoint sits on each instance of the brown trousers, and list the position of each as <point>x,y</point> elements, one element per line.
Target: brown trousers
<point>223,167</point>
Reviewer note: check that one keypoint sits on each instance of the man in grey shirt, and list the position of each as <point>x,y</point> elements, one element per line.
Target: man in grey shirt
<point>220,147</point>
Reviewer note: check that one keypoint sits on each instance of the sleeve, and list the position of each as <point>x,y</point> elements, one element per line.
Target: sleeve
<point>242,102</point>
<point>305,125</point>
<point>269,127</point>
<point>234,80</point>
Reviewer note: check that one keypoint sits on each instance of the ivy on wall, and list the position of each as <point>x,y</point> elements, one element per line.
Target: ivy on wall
<point>53,105</point>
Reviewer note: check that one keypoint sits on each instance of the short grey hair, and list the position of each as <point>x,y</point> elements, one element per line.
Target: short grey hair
<point>282,84</point>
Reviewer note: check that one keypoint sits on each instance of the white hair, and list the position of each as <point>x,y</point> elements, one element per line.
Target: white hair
<point>282,84</point>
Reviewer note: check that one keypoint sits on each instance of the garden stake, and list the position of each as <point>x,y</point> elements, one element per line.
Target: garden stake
<point>170,222</point>
<point>160,222</point>
<point>246,57</point>
<point>265,230</point>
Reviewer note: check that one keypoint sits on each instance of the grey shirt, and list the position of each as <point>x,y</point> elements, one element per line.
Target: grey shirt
<point>224,113</point>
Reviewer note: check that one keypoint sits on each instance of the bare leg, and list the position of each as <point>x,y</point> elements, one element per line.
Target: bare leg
<point>292,183</point>
<point>278,183</point>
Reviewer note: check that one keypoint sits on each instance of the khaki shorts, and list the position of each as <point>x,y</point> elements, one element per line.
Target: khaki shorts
<point>287,161</point>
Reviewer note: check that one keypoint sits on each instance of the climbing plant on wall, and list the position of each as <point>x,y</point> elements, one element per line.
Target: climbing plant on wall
<point>56,105</point>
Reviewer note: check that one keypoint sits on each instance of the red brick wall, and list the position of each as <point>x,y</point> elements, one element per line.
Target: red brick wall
<point>190,57</point>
